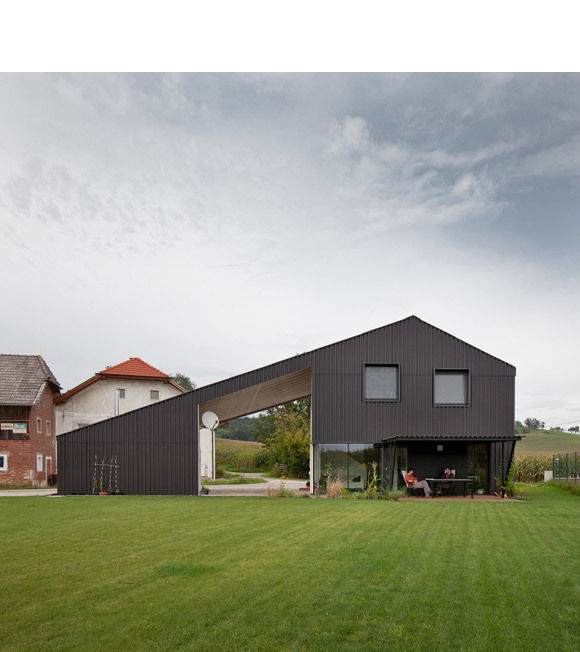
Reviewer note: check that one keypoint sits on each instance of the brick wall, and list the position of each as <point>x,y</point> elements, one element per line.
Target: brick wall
<point>21,454</point>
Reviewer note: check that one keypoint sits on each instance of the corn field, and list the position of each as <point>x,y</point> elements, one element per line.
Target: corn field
<point>531,468</point>
<point>240,454</point>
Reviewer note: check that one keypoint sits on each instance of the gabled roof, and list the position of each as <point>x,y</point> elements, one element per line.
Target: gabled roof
<point>23,379</point>
<point>303,359</point>
<point>133,368</point>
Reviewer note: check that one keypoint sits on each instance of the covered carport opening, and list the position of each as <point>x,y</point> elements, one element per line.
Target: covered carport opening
<point>250,400</point>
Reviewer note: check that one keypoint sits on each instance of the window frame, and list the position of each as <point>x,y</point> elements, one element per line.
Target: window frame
<point>151,397</point>
<point>4,467</point>
<point>121,391</point>
<point>48,427</point>
<point>364,382</point>
<point>451,370</point>
<point>39,463</point>
<point>38,426</point>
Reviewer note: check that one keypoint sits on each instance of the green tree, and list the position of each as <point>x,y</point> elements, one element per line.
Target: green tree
<point>534,424</point>
<point>240,429</point>
<point>285,432</point>
<point>184,381</point>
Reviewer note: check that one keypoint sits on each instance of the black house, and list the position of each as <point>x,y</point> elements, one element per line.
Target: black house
<point>406,394</point>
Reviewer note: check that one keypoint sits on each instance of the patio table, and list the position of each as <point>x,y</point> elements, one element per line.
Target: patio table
<point>433,483</point>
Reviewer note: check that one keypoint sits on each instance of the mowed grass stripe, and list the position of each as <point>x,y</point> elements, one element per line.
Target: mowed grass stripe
<point>254,573</point>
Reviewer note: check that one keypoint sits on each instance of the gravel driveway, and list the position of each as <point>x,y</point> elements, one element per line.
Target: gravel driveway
<point>255,489</point>
<point>7,493</point>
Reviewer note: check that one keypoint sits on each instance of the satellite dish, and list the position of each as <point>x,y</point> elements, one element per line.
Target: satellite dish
<point>210,420</point>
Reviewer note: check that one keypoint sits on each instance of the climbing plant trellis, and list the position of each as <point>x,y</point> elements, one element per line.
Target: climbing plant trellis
<point>106,476</point>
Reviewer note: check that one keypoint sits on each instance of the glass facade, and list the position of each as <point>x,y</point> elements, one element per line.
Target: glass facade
<point>351,463</point>
<point>477,465</point>
<point>400,456</point>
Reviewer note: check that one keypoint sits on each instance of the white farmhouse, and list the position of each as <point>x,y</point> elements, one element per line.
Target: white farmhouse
<point>124,387</point>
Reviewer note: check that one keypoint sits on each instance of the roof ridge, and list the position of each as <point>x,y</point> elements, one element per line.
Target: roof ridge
<point>117,369</point>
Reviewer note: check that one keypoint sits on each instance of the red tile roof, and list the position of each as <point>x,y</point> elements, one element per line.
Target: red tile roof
<point>133,367</point>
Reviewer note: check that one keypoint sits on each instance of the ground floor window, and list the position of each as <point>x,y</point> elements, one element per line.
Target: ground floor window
<point>39,463</point>
<point>3,461</point>
<point>352,464</point>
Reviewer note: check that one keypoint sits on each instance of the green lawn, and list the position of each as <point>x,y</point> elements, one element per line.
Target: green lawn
<point>542,442</point>
<point>171,573</point>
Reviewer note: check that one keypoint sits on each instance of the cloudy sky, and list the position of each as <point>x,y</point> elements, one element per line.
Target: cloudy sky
<point>211,224</point>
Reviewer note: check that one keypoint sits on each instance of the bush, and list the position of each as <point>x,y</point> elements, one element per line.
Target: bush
<point>281,492</point>
<point>572,487</point>
<point>285,432</point>
<point>334,488</point>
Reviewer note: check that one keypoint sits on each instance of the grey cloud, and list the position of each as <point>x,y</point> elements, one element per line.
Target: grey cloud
<point>230,220</point>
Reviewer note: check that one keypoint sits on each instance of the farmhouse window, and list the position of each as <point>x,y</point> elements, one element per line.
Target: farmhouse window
<point>155,394</point>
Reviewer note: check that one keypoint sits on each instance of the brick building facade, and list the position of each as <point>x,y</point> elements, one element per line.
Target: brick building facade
<point>27,435</point>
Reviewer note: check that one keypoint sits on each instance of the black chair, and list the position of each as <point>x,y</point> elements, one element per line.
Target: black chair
<point>446,488</point>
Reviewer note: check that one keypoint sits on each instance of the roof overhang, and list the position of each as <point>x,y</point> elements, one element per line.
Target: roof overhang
<point>439,438</point>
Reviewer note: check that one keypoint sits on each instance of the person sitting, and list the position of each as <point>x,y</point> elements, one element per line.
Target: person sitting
<point>413,483</point>
<point>445,487</point>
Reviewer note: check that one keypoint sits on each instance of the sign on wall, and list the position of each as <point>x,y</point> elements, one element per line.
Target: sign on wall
<point>19,427</point>
<point>5,426</point>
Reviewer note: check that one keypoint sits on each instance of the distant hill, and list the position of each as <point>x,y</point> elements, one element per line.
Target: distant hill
<point>240,429</point>
<point>547,442</point>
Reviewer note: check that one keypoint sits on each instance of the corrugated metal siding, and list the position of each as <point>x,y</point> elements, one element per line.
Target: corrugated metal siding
<point>156,448</point>
<point>418,348</point>
<point>159,443</point>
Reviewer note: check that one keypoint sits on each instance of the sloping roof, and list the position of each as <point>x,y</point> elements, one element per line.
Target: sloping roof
<point>134,367</point>
<point>239,380</point>
<point>131,368</point>
<point>23,379</point>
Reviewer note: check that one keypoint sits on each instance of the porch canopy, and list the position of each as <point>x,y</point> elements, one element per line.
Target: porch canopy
<point>487,456</point>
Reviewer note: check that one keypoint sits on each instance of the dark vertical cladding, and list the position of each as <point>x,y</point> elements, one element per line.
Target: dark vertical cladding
<point>418,348</point>
<point>157,446</point>
<point>156,449</point>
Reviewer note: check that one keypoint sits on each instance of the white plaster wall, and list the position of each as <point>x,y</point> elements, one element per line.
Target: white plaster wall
<point>97,401</point>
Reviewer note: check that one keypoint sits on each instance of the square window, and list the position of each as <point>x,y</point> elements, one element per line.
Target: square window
<point>451,387</point>
<point>121,393</point>
<point>39,462</point>
<point>38,424</point>
<point>155,394</point>
<point>381,382</point>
